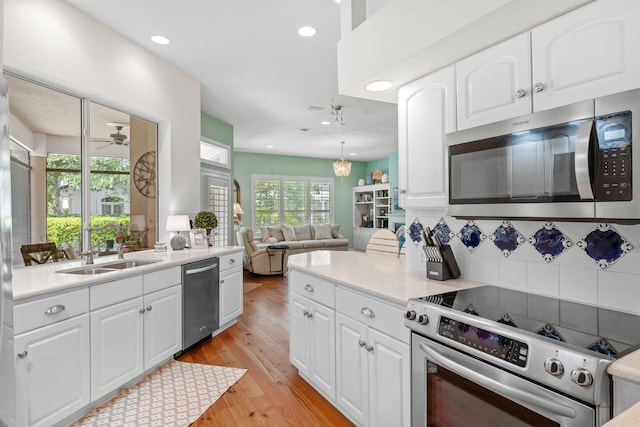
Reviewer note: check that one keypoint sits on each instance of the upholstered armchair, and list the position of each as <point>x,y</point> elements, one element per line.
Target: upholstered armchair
<point>260,261</point>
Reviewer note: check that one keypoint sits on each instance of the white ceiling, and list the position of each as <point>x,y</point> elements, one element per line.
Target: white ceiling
<point>257,74</point>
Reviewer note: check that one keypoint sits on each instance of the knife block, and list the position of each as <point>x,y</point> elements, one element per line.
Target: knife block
<point>445,270</point>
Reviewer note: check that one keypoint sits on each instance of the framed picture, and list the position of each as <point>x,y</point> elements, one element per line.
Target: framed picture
<point>198,237</point>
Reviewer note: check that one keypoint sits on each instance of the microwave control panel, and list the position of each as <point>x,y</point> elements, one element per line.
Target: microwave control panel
<point>613,165</point>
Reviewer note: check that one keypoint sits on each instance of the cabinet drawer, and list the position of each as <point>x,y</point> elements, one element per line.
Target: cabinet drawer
<point>45,311</point>
<point>110,293</point>
<point>374,313</point>
<point>313,288</point>
<point>162,279</point>
<point>232,260</point>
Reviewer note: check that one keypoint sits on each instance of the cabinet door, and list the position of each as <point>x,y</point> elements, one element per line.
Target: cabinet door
<point>352,368</point>
<point>389,376</point>
<point>495,84</point>
<point>52,372</point>
<point>299,333</point>
<point>230,295</point>
<point>116,346</point>
<point>323,348</point>
<point>590,52</point>
<point>426,111</point>
<point>162,325</point>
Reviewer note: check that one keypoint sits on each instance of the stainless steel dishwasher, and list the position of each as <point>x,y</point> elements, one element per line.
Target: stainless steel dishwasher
<point>200,300</point>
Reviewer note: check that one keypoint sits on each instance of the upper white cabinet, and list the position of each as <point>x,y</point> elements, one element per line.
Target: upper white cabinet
<point>495,84</point>
<point>426,111</point>
<point>587,53</point>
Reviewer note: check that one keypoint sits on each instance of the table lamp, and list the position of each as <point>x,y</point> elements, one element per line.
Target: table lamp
<point>178,223</point>
<point>237,213</point>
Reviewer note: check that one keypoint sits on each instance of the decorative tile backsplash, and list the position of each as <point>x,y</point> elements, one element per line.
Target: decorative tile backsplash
<point>584,262</point>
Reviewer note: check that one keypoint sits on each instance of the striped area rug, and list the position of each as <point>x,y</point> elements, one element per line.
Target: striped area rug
<point>175,395</point>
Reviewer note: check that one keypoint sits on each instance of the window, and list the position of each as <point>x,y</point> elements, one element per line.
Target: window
<point>292,200</point>
<point>214,153</point>
<point>216,193</point>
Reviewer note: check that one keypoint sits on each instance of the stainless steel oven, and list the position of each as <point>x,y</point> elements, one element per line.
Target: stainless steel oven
<point>490,356</point>
<point>573,162</point>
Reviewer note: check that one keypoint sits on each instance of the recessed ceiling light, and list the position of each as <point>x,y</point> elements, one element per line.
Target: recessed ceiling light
<point>160,40</point>
<point>307,31</point>
<point>353,154</point>
<point>379,85</point>
<point>325,123</point>
<point>337,1</point>
<point>269,146</point>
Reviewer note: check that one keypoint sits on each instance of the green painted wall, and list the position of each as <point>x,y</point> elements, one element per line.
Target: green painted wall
<point>246,164</point>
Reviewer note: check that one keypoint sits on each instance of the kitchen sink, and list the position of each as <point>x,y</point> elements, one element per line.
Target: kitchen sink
<point>108,266</point>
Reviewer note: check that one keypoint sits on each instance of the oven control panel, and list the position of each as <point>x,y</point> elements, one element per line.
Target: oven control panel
<point>488,342</point>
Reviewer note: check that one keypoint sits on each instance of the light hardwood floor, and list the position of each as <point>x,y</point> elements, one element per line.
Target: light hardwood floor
<point>271,392</point>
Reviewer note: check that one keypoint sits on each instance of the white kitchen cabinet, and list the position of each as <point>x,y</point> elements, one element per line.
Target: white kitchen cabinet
<point>231,293</point>
<point>587,53</point>
<point>162,325</point>
<point>372,367</point>
<point>426,111</point>
<point>52,372</point>
<point>494,84</point>
<point>116,346</point>
<point>625,394</point>
<point>312,333</point>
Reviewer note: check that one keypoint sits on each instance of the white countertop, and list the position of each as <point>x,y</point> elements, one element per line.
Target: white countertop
<point>385,277</point>
<point>43,279</point>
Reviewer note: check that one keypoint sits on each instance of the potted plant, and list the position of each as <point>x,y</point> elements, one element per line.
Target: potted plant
<point>207,220</point>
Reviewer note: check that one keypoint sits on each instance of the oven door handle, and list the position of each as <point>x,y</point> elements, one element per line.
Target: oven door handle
<point>496,386</point>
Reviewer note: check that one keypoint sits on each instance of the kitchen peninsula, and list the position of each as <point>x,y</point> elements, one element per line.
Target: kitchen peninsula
<point>80,338</point>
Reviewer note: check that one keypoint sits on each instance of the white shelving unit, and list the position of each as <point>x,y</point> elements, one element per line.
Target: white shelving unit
<point>372,202</point>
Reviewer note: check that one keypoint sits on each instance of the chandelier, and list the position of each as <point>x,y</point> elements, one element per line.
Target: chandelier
<point>342,167</point>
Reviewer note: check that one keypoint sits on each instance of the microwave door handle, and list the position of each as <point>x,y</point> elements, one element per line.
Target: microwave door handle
<point>581,159</point>
<point>497,387</point>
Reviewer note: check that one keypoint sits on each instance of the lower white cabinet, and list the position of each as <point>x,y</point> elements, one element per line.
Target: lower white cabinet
<point>625,394</point>
<point>162,325</point>
<point>373,371</point>
<point>52,372</point>
<point>231,296</point>
<point>312,342</point>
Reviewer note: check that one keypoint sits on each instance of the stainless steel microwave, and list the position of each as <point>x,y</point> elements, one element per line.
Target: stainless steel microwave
<point>572,162</point>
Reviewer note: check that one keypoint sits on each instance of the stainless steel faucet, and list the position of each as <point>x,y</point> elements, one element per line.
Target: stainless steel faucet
<point>89,252</point>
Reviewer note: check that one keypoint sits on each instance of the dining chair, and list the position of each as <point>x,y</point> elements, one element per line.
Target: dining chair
<point>39,253</point>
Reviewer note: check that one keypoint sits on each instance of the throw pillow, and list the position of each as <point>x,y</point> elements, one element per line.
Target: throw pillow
<point>322,231</point>
<point>288,232</point>
<point>271,240</point>
<point>334,231</point>
<point>264,233</point>
<point>303,232</point>
<point>277,233</point>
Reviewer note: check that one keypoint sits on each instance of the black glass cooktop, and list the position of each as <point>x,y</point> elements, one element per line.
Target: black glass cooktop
<point>598,329</point>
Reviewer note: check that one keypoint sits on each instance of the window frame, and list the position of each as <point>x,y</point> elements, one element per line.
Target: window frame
<point>308,180</point>
<point>220,145</point>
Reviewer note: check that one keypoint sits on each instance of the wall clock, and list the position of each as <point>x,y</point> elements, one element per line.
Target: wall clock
<point>144,174</point>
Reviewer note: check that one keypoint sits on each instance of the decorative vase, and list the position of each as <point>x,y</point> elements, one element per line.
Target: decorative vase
<point>369,179</point>
<point>385,178</point>
<point>361,181</point>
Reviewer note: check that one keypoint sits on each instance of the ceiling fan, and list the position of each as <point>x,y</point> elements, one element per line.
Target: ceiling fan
<point>117,137</point>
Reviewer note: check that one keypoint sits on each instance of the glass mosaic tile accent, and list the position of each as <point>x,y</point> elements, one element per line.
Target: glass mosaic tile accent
<point>415,232</point>
<point>471,236</point>
<point>507,320</point>
<point>605,245</point>
<point>550,242</point>
<point>443,231</point>
<point>604,347</point>
<point>550,332</point>
<point>507,238</point>
<point>471,309</point>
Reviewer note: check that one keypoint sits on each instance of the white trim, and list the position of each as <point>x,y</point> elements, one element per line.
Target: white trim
<point>218,144</point>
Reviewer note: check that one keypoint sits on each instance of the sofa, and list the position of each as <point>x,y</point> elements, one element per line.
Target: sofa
<point>259,259</point>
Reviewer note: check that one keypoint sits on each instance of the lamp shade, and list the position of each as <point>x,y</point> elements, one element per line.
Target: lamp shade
<point>237,209</point>
<point>138,223</point>
<point>178,223</point>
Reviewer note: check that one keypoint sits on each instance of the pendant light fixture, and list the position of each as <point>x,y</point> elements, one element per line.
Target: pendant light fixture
<point>342,167</point>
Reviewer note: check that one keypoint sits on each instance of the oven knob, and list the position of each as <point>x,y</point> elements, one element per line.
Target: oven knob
<point>553,366</point>
<point>410,315</point>
<point>423,319</point>
<point>582,377</point>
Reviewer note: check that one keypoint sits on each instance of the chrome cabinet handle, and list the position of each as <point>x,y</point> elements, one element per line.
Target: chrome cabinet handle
<point>310,315</point>
<point>402,191</point>
<point>308,288</point>
<point>362,343</point>
<point>232,260</point>
<point>23,354</point>
<point>366,311</point>
<point>369,348</point>
<point>222,281</point>
<point>305,312</point>
<point>520,93</point>
<point>141,311</point>
<point>538,87</point>
<point>54,309</point>
<point>149,308</point>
